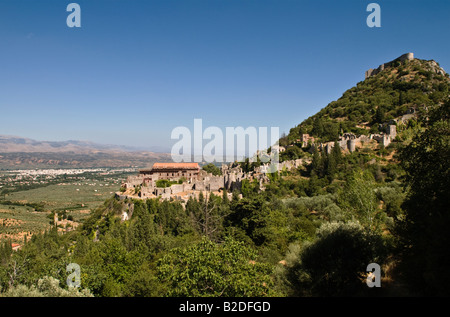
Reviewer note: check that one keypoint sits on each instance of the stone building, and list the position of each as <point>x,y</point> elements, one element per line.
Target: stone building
<point>391,130</point>
<point>171,171</point>
<point>306,139</point>
<point>347,141</point>
<point>194,180</point>
<point>189,176</point>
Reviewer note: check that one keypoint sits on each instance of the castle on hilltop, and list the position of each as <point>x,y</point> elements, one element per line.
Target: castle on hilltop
<point>404,57</point>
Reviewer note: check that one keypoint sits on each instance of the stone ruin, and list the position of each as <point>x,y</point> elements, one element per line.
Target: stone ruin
<point>404,57</point>
<point>230,180</point>
<point>349,141</point>
<point>233,175</point>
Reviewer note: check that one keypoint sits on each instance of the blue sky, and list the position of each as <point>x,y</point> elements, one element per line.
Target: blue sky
<point>135,70</point>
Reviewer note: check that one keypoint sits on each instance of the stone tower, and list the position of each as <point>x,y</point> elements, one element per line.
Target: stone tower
<point>408,56</point>
<point>392,131</point>
<point>351,144</point>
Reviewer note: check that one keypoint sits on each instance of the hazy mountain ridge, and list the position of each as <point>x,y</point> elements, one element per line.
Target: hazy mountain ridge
<point>20,144</point>
<point>18,152</point>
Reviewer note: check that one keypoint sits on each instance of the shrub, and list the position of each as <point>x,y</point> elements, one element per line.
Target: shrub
<point>46,287</point>
<point>335,263</point>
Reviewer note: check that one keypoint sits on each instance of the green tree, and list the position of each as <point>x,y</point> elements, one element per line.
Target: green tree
<point>380,115</point>
<point>172,218</point>
<point>360,199</point>
<point>142,228</point>
<point>424,230</point>
<point>213,169</point>
<point>207,269</point>
<point>5,251</point>
<point>144,283</point>
<point>335,263</point>
<point>225,199</point>
<point>253,219</point>
<point>318,126</point>
<point>292,153</point>
<point>317,164</point>
<point>314,185</point>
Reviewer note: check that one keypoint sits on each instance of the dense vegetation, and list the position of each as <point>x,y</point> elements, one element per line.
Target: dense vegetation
<point>311,232</point>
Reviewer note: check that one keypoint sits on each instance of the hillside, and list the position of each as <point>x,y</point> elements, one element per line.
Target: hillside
<point>403,89</point>
<point>308,231</point>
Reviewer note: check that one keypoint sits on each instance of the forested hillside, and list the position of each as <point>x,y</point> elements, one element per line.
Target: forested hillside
<point>312,231</point>
<point>413,84</point>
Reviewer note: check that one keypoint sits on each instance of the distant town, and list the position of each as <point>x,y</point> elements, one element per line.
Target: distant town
<point>14,180</point>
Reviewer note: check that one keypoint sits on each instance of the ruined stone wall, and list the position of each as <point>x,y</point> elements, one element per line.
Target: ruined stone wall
<point>386,140</point>
<point>290,164</point>
<point>178,188</point>
<point>133,181</point>
<point>363,138</point>
<point>215,183</point>
<point>404,57</point>
<point>146,191</point>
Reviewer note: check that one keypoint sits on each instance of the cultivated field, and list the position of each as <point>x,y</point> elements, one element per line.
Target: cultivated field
<point>74,198</point>
<point>16,222</point>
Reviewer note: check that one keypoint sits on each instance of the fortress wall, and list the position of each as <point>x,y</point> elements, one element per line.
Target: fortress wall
<point>216,182</point>
<point>135,180</point>
<point>405,57</point>
<point>178,188</point>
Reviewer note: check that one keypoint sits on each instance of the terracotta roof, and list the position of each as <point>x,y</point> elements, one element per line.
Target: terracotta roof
<point>187,166</point>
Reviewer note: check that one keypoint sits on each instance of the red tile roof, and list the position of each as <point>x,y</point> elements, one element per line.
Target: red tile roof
<point>184,166</point>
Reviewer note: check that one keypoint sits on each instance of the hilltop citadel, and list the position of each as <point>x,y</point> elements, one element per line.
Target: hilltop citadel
<point>185,180</point>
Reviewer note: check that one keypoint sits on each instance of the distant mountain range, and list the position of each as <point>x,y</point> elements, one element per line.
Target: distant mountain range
<point>20,152</point>
<point>10,143</point>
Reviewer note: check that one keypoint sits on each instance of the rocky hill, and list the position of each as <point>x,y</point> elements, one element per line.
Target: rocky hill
<point>394,92</point>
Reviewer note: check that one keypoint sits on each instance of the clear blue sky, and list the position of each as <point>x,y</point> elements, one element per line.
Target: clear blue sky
<point>137,69</point>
